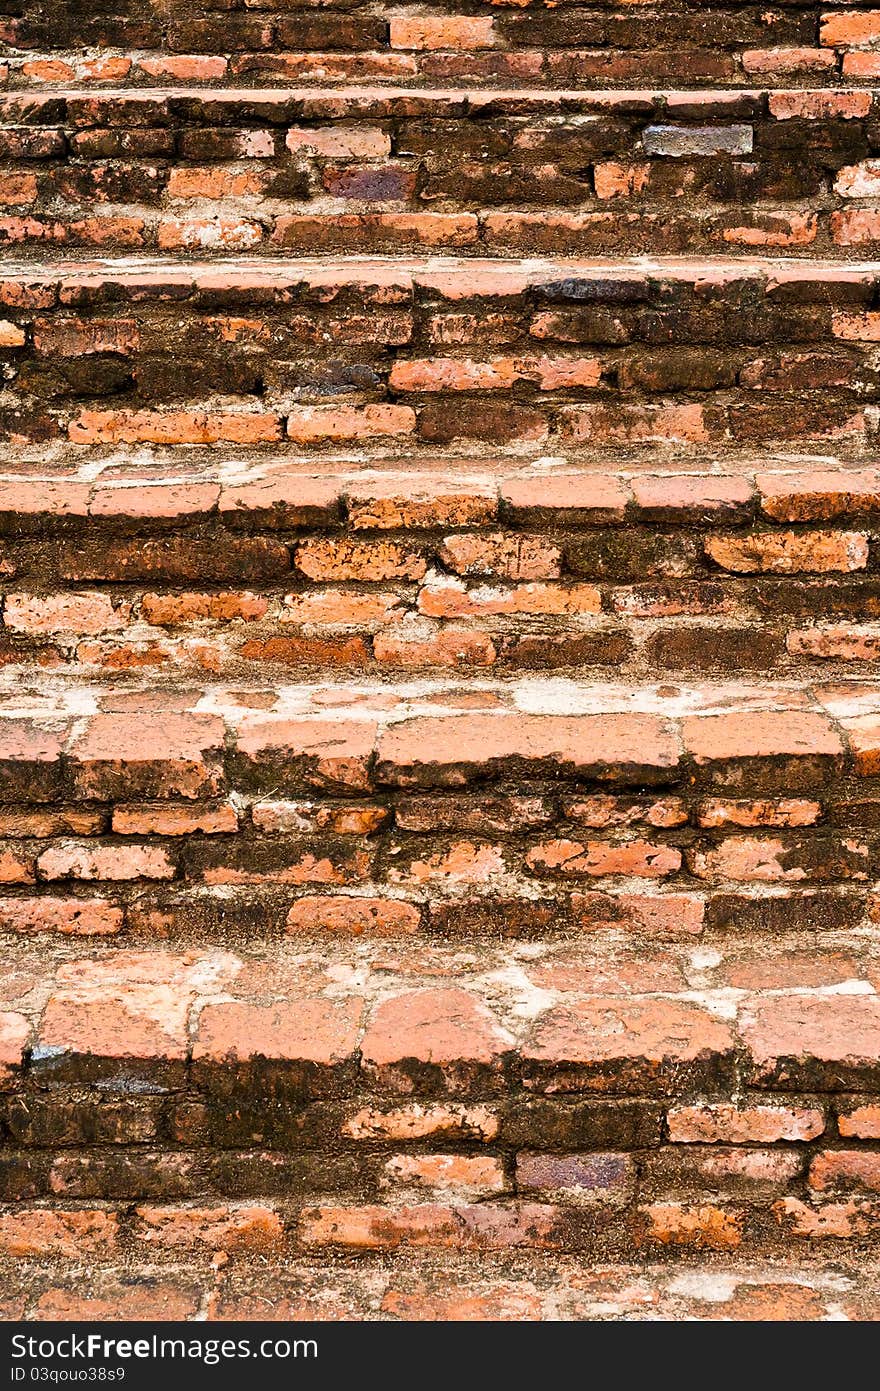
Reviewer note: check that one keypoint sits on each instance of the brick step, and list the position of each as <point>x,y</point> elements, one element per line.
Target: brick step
<point>471,809</point>
<point>578,44</point>
<point>451,1288</point>
<point>118,563</point>
<point>490,171</point>
<point>357,1098</point>
<point>383,355</point>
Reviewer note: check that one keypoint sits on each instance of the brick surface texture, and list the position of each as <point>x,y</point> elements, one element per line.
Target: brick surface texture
<point>439,642</point>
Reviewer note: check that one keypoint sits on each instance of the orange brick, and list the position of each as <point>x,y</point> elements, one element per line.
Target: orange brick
<point>354,917</point>
<point>441,31</point>
<point>232,1228</point>
<point>704,1228</point>
<point>71,1235</point>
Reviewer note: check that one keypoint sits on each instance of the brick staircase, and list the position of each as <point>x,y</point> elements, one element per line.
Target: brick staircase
<point>439,740</point>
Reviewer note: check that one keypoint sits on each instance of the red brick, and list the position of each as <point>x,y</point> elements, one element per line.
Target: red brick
<point>453,750</point>
<point>683,498</point>
<point>16,865</point>
<point>514,557</point>
<point>223,1228</point>
<point>307,651</point>
<point>632,1045</point>
<point>462,863</point>
<point>498,374</point>
<point>452,647</point>
<point>795,1036</point>
<point>768,860</point>
<point>174,427</point>
<point>598,858</point>
<point>817,106</point>
<point>335,142</point>
<point>759,734</point>
<point>183,67</point>
<point>420,1121</point>
<point>18,189</point>
<point>346,559</point>
<point>828,1220</point>
<point>208,233</point>
<point>309,1030</point>
<point>819,495</point>
<point>175,501</point>
<point>30,759</point>
<point>152,1298</point>
<point>578,1178</point>
<point>15,1032</point>
<point>79,337</point>
<point>864,327</point>
<point>861,65</point>
<point>725,1123</point>
<point>306,816</point>
<point>853,227</point>
<point>845,1171</point>
<point>457,1173</point>
<point>326,424</point>
<point>84,860</point>
<point>172,820</point>
<point>43,1232</point>
<point>416,503</point>
<point>322,752</point>
<point>655,915</point>
<point>64,613</point>
<point>172,755</point>
<point>851,643</point>
<point>71,917</point>
<point>863,734</point>
<point>570,499</point>
<point>173,610</point>
<point>441,32</point>
<point>705,1228</point>
<point>124,1020</point>
<point>484,1226</point>
<point>602,425</point>
<point>463,1304</point>
<point>51,821</point>
<point>280,499</point>
<point>860,1123</point>
<point>353,916</point>
<point>448,1032</point>
<point>717,812</point>
<point>848,30</point>
<point>11,336</point>
<point>452,599</point>
<point>790,552</point>
<point>782,61</point>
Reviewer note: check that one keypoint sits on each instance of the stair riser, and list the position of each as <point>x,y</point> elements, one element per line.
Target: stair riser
<point>528,1157</point>
<point>419,1287</point>
<point>449,43</point>
<point>124,597</point>
<point>661,1230</point>
<point>565,357</point>
<point>317,821</point>
<point>787,173</point>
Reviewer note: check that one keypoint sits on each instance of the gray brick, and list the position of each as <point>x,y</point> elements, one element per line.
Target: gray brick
<point>676,141</point>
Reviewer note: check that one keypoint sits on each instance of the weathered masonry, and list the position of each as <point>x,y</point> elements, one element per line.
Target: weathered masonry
<point>439,630</point>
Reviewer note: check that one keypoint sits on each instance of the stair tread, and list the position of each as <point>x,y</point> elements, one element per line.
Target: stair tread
<point>455,1288</point>
<point>218,271</point>
<point>482,94</point>
<point>558,1017</point>
<point>121,466</point>
<point>811,717</point>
